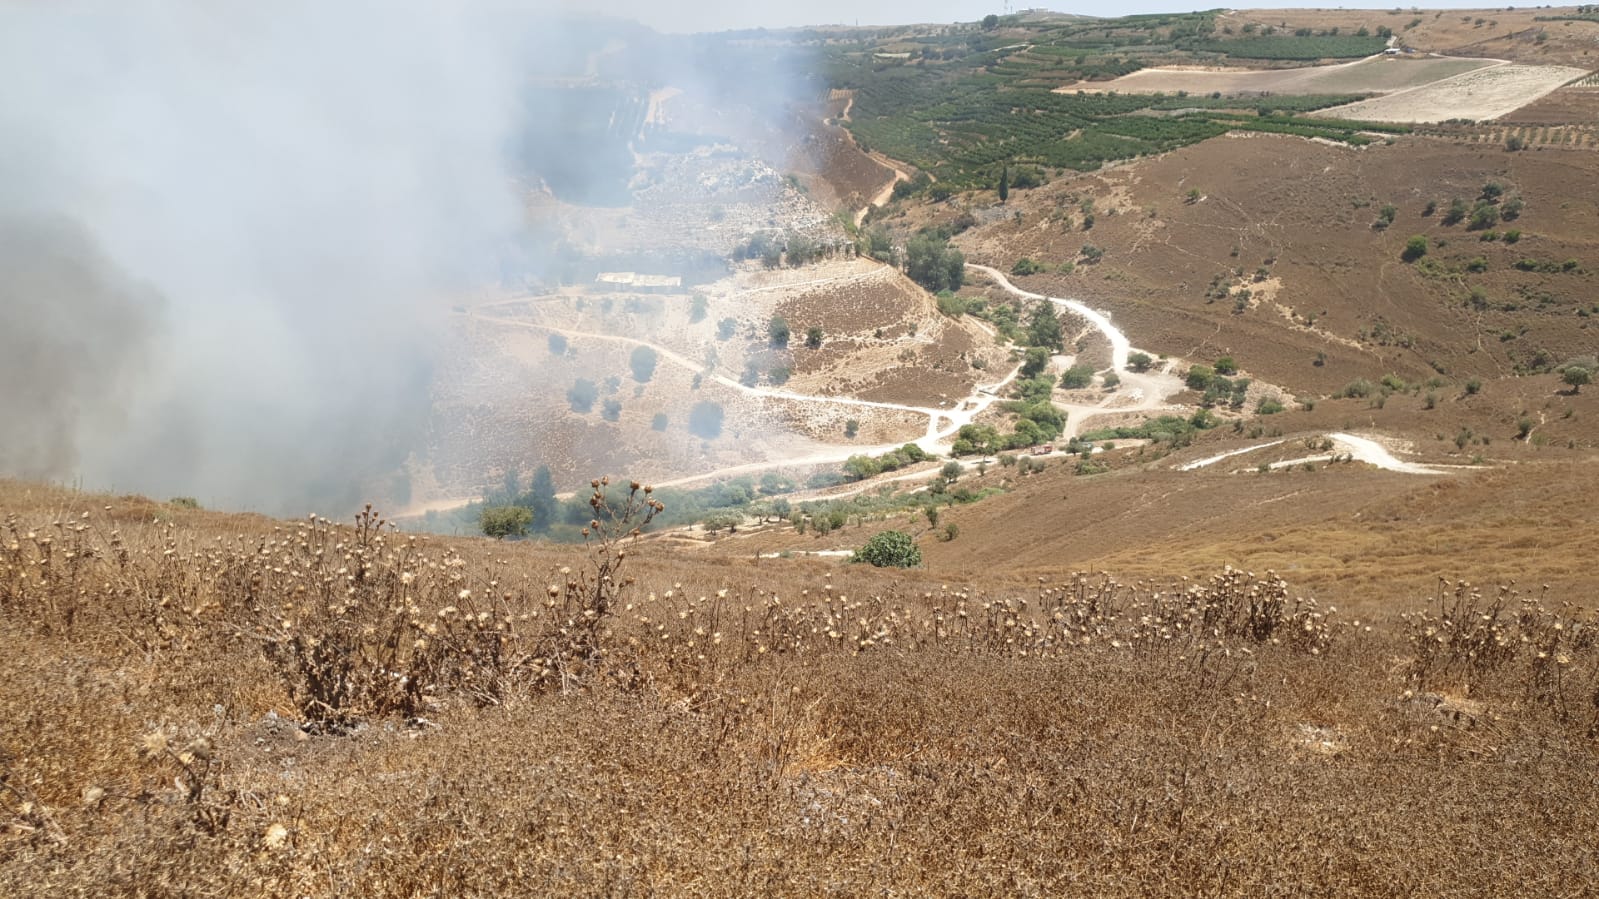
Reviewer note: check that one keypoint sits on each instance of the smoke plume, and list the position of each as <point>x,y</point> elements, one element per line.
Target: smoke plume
<point>230,232</point>
<point>224,228</point>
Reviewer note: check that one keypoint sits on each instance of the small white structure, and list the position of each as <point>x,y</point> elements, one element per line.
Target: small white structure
<point>650,283</point>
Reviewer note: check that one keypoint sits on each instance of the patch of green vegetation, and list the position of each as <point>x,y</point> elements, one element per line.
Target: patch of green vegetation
<point>890,549</point>
<point>965,115</point>
<point>1171,430</point>
<point>861,467</point>
<point>1291,47</point>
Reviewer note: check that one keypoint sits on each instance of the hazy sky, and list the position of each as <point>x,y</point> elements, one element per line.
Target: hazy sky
<point>715,15</point>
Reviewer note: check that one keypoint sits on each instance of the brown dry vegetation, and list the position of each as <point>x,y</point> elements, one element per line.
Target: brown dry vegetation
<point>195,703</point>
<point>1500,508</point>
<point>1358,537</point>
<point>827,155</point>
<point>717,729</point>
<point>885,341</point>
<point>1567,105</point>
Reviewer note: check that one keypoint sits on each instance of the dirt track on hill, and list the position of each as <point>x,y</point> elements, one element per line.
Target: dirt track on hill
<point>1142,392</point>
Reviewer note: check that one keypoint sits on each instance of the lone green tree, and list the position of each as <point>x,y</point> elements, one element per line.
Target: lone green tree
<point>643,363</point>
<point>932,263</point>
<point>705,420</point>
<point>501,522</point>
<point>890,549</point>
<point>1077,377</point>
<point>813,337</point>
<point>1034,363</point>
<point>582,394</point>
<point>1004,183</point>
<point>777,331</point>
<point>540,498</point>
<point>1575,376</point>
<point>1415,248</point>
<point>1044,329</point>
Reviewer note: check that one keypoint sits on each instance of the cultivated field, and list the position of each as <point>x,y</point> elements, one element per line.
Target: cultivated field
<point>1574,104</point>
<point>1374,75</point>
<point>1483,94</point>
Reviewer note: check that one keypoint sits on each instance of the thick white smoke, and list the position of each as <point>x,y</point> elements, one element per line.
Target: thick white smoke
<point>231,232</point>
<point>224,230</point>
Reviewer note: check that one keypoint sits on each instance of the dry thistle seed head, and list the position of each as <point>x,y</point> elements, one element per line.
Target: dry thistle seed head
<point>154,743</point>
<point>275,836</point>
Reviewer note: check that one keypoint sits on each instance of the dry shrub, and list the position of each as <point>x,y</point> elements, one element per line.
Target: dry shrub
<point>1510,645</point>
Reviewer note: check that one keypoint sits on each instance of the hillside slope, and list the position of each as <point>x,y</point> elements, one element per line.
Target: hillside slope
<point>232,705</point>
<point>1264,248</point>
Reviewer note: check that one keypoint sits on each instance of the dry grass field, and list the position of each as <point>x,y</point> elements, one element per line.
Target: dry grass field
<point>1497,509</point>
<point>199,704</point>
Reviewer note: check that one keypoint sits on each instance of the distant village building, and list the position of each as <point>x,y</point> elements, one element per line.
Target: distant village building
<point>641,283</point>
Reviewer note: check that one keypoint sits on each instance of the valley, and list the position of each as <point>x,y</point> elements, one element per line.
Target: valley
<point>1043,455</point>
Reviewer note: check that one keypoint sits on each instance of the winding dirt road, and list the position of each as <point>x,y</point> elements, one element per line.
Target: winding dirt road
<point>1362,449</point>
<point>1140,391</point>
<point>673,357</point>
<point>942,423</point>
<point>883,196</point>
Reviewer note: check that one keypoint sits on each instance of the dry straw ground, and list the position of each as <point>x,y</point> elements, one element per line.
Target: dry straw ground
<point>199,704</point>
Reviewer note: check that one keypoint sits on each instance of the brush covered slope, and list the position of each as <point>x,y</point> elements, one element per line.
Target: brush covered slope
<point>1299,600</point>
<point>202,703</point>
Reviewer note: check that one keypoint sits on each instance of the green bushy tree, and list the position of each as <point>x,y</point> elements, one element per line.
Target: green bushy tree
<point>890,549</point>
